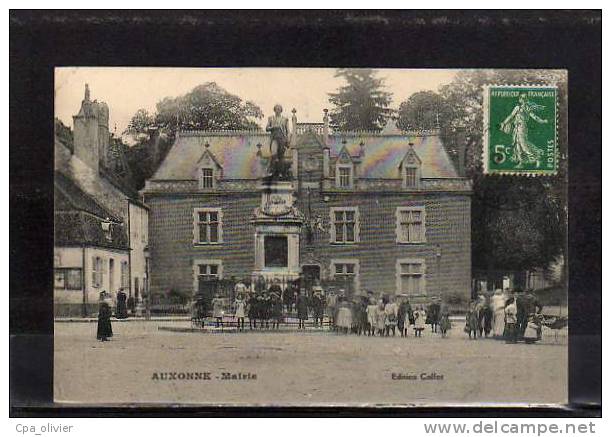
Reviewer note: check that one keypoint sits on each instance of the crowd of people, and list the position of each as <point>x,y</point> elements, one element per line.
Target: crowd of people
<point>370,313</point>
<point>510,315</point>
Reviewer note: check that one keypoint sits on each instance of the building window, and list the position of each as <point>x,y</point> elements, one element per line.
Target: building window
<point>207,180</point>
<point>97,266</point>
<point>208,226</point>
<point>411,225</point>
<point>124,275</point>
<point>343,176</point>
<point>346,273</point>
<point>68,279</point>
<point>206,271</point>
<point>345,225</point>
<point>411,177</point>
<point>411,277</point>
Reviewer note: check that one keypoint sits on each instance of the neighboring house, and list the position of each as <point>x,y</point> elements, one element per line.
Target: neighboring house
<point>93,165</point>
<point>384,211</point>
<point>91,250</point>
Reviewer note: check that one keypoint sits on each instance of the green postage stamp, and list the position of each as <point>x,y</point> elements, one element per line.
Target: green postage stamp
<point>520,129</point>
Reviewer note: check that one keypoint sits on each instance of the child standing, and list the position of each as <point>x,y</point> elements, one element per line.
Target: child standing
<point>472,320</point>
<point>419,321</point>
<point>511,321</point>
<point>444,323</point>
<point>380,319</point>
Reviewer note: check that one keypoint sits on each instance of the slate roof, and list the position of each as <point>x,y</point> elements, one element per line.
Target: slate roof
<point>79,217</point>
<point>236,152</point>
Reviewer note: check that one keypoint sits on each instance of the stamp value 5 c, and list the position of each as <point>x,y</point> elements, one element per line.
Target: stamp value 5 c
<point>520,129</point>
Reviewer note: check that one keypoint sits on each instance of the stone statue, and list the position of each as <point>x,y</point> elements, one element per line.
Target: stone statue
<point>278,126</point>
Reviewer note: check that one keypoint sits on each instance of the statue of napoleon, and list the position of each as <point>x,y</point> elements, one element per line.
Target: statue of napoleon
<point>278,126</point>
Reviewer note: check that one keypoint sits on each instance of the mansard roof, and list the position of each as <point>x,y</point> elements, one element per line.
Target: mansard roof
<point>236,153</point>
<point>384,153</point>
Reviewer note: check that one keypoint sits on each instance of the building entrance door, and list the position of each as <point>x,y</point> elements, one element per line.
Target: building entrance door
<point>311,275</point>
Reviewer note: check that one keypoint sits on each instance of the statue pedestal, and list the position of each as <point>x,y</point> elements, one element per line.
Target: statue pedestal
<point>277,232</point>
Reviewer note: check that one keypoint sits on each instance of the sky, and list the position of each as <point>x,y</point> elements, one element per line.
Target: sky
<point>127,89</point>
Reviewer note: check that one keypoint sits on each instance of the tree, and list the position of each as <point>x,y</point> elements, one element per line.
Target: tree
<point>140,123</point>
<point>361,104</point>
<point>518,223</point>
<point>423,110</point>
<point>207,107</point>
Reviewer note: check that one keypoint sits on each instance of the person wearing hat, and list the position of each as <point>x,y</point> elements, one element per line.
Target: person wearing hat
<point>240,310</point>
<point>497,305</point>
<point>276,310</point>
<point>104,326</point>
<point>391,309</point>
<point>318,305</point>
<point>218,310</point>
<point>372,316</point>
<point>253,305</point>
<point>302,308</point>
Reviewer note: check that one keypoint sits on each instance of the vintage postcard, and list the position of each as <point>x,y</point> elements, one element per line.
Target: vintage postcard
<point>310,237</point>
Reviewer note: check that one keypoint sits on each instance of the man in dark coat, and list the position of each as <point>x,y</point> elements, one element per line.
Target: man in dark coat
<point>276,310</point>
<point>253,309</point>
<point>318,307</point>
<point>527,304</point>
<point>121,311</point>
<point>104,326</point>
<point>302,309</point>
<point>433,315</point>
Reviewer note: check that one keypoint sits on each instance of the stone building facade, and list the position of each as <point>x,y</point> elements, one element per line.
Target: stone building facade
<point>384,211</point>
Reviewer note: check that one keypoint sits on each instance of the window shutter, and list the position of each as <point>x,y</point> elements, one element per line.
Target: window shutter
<point>220,226</point>
<point>195,227</point>
<point>94,273</point>
<point>357,226</point>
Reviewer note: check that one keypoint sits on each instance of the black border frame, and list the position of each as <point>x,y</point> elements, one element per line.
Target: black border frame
<point>41,40</point>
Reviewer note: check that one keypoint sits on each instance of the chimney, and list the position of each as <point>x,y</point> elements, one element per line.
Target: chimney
<point>325,129</point>
<point>326,160</point>
<point>87,133</point>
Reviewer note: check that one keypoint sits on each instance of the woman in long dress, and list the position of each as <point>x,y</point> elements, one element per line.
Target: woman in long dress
<point>104,326</point>
<point>372,316</point>
<point>497,303</point>
<point>344,316</point>
<point>381,318</point>
<point>391,309</point>
<point>240,311</point>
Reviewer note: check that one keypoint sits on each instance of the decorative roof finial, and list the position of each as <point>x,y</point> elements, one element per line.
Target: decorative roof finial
<point>207,145</point>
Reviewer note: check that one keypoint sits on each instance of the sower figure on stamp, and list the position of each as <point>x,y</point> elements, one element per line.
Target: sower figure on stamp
<point>524,152</point>
<point>278,126</point>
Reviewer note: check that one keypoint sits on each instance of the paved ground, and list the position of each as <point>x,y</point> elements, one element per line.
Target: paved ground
<point>302,367</point>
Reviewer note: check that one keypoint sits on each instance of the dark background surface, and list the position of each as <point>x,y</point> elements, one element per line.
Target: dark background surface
<point>39,41</point>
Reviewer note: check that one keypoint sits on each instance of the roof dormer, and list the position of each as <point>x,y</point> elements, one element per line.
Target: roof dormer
<point>410,169</point>
<point>209,170</point>
<point>344,170</point>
